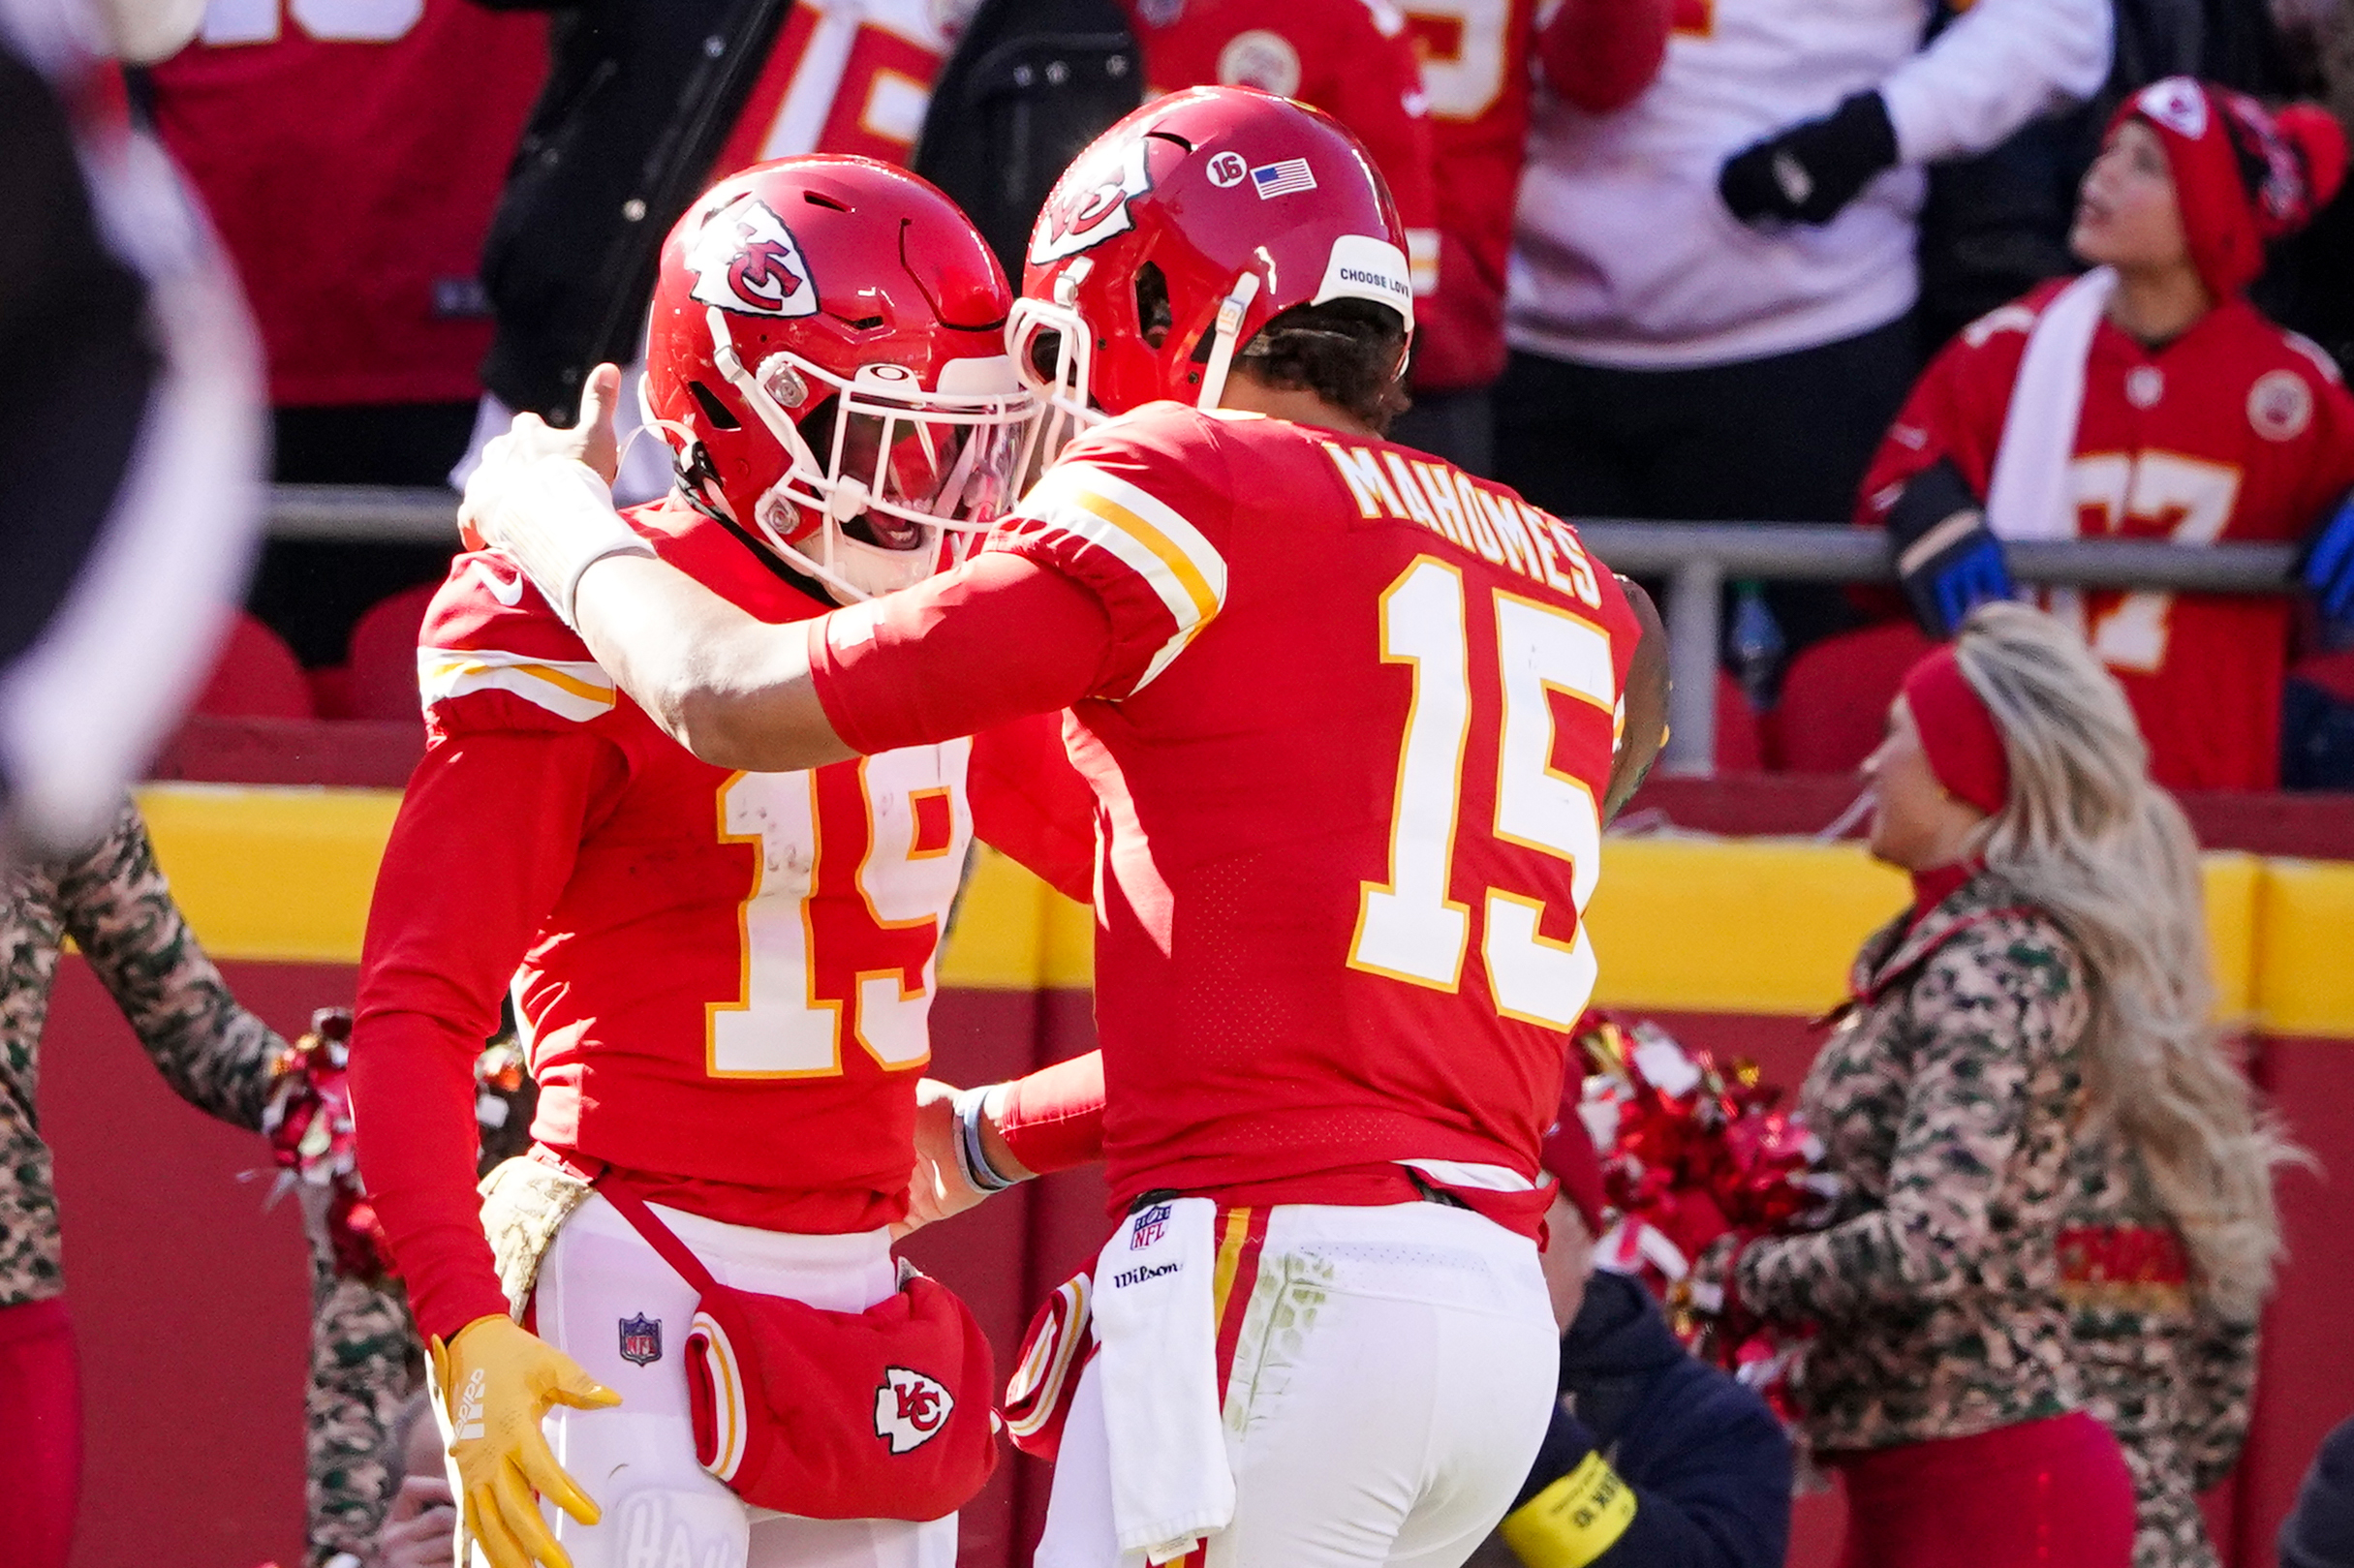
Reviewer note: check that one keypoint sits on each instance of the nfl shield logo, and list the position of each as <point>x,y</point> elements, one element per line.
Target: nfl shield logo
<point>641,1340</point>
<point>1149,1226</point>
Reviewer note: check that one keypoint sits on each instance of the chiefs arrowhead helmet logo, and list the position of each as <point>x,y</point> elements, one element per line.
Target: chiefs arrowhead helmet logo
<point>744,260</point>
<point>1088,205</point>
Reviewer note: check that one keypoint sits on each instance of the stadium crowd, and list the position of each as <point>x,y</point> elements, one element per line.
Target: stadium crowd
<point>1628,312</point>
<point>2016,271</point>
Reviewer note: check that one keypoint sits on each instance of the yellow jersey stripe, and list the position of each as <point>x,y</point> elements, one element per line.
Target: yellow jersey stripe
<point>1146,535</point>
<point>569,688</point>
<point>1229,1258</point>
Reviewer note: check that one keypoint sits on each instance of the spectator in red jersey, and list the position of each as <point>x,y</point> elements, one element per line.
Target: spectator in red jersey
<point>1476,75</point>
<point>1350,58</point>
<point>2147,399</point>
<point>648,102</point>
<point>350,152</point>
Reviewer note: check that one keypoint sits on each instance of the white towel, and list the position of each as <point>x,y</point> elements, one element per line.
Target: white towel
<point>2029,496</point>
<point>1155,1319</point>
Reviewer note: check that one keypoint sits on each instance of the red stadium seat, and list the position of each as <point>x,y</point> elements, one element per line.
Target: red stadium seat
<point>381,679</point>
<point>255,676</point>
<point>2333,672</point>
<point>1834,699</point>
<point>1739,747</point>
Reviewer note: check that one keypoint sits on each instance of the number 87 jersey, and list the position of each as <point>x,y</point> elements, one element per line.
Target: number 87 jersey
<point>1351,740</point>
<point>724,978</point>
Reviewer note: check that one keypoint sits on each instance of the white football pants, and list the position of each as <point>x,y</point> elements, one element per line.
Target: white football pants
<point>660,1509</point>
<point>1394,1372</point>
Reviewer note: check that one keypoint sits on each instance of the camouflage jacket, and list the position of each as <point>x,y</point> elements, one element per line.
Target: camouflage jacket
<point>2171,1375</point>
<point>114,902</point>
<point>1944,1097</point>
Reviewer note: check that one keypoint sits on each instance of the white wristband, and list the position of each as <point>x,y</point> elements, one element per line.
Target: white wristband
<point>556,518</point>
<point>972,1155</point>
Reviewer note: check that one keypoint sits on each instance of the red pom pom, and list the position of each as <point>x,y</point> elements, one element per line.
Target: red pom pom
<point>2321,142</point>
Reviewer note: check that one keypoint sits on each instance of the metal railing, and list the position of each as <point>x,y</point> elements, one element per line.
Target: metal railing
<point>1696,559</point>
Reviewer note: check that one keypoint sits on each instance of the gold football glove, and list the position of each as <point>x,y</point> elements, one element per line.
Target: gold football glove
<point>497,1383</point>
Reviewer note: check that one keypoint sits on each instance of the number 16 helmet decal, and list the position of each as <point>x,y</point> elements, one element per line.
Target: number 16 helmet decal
<point>1179,233</point>
<point>826,360</point>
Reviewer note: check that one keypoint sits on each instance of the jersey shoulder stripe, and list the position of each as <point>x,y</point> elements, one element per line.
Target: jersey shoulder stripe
<point>1146,535</point>
<point>575,689</point>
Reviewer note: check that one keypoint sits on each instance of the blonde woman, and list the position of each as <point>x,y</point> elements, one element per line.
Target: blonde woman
<point>2049,981</point>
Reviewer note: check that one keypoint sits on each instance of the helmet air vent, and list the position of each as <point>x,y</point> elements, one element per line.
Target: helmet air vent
<point>713,409</point>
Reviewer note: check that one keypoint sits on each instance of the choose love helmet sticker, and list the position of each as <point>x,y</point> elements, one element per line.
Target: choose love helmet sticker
<point>744,260</point>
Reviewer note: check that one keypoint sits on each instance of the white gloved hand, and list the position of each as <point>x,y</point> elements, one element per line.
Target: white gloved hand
<point>544,496</point>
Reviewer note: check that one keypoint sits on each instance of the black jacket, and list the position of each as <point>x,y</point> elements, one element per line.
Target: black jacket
<point>2319,1532</point>
<point>1030,84</point>
<point>1708,1462</point>
<point>640,96</point>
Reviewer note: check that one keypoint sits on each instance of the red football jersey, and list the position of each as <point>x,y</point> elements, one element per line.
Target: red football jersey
<point>843,75</point>
<point>2236,430</point>
<point>1349,745</point>
<point>724,978</point>
<point>350,152</point>
<point>1350,58</point>
<point>1477,75</point>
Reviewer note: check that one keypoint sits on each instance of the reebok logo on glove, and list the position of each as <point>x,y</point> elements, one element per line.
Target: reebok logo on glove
<point>469,1419</point>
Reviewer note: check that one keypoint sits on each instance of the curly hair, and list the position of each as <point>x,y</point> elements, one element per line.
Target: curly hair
<point>1351,352</point>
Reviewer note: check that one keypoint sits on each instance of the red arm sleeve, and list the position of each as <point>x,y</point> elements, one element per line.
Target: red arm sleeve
<point>482,847</point>
<point>999,638</point>
<point>1600,55</point>
<point>1030,802</point>
<point>1054,1118</point>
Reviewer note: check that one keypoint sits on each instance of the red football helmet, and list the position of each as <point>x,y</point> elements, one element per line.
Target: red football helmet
<point>1232,205</point>
<point>826,360</point>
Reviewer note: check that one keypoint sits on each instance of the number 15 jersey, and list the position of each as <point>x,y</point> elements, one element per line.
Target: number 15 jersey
<point>1349,736</point>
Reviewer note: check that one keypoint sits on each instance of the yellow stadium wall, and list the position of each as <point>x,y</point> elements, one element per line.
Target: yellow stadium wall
<point>191,1302</point>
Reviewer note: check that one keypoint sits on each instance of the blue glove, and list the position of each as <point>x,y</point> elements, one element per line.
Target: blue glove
<point>1946,558</point>
<point>1970,576</point>
<point>2329,564</point>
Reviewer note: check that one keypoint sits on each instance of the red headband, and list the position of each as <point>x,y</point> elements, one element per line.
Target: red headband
<point>2242,176</point>
<point>1569,1154</point>
<point>1964,748</point>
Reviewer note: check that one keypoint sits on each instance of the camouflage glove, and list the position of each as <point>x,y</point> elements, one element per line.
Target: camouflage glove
<point>496,1383</point>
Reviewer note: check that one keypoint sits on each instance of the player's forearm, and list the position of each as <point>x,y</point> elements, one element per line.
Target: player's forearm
<point>412,1082</point>
<point>1050,1121</point>
<point>734,691</point>
<point>1647,687</point>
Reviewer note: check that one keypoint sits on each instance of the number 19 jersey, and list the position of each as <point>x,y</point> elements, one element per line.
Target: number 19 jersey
<point>724,978</point>
<point>1349,745</point>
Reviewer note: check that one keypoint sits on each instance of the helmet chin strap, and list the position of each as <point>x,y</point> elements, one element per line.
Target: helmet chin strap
<point>1222,340</point>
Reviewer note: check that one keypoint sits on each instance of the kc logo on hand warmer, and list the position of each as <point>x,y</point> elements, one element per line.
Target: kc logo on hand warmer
<point>910,1408</point>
